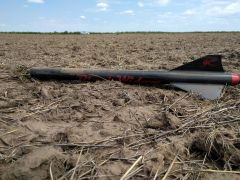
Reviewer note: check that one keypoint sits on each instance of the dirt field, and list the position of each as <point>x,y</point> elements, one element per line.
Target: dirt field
<point>56,130</point>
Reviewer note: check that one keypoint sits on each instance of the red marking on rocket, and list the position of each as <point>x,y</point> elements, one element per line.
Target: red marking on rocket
<point>235,79</point>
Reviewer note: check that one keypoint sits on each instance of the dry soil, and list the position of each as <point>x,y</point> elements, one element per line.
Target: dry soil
<point>99,130</point>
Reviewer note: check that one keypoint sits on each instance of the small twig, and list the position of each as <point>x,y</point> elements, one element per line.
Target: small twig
<point>169,169</point>
<point>179,99</point>
<point>213,171</point>
<point>76,164</point>
<point>205,157</point>
<point>123,159</point>
<point>186,176</point>
<point>39,112</point>
<point>84,145</point>
<point>50,171</point>
<point>131,174</point>
<point>85,174</point>
<point>124,177</point>
<point>8,132</point>
<point>156,175</point>
<point>49,107</point>
<point>106,160</point>
<point>67,173</point>
<point>89,171</point>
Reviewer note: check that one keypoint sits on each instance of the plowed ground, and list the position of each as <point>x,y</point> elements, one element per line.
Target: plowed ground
<point>101,129</point>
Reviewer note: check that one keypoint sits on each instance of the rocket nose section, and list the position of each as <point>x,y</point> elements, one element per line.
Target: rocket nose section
<point>235,79</point>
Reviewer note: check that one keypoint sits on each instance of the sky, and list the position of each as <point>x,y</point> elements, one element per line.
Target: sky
<point>119,15</point>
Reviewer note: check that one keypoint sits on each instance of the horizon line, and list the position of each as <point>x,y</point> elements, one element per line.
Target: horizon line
<point>108,32</point>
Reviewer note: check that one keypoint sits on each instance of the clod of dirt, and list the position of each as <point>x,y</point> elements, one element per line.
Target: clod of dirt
<point>155,123</point>
<point>219,176</point>
<point>117,118</point>
<point>154,98</point>
<point>19,72</point>
<point>8,104</point>
<point>118,102</point>
<point>154,162</point>
<point>234,54</point>
<point>160,158</point>
<point>116,169</point>
<point>76,48</point>
<point>61,137</point>
<point>173,120</point>
<point>125,96</point>
<point>24,150</point>
<point>36,164</point>
<point>45,92</point>
<point>163,121</point>
<point>219,148</point>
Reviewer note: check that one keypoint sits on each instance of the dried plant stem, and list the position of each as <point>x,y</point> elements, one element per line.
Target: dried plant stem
<point>202,166</point>
<point>156,175</point>
<point>169,169</point>
<point>68,172</point>
<point>9,132</point>
<point>50,171</point>
<point>124,177</point>
<point>79,157</point>
<point>132,173</point>
<point>214,171</point>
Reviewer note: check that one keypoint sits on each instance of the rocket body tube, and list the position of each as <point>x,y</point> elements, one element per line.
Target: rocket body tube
<point>204,76</point>
<point>137,77</point>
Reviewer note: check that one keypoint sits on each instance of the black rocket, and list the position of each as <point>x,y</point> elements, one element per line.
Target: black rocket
<point>204,76</point>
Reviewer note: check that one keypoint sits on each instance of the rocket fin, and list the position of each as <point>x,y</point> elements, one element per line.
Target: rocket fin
<point>212,63</point>
<point>207,91</point>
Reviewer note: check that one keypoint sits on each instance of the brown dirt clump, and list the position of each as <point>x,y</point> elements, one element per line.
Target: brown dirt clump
<point>219,146</point>
<point>36,165</point>
<point>106,129</point>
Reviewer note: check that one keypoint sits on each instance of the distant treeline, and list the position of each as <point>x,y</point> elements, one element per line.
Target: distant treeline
<point>125,32</point>
<point>55,32</point>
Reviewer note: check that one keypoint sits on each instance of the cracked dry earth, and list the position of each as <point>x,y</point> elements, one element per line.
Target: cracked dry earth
<point>109,130</point>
